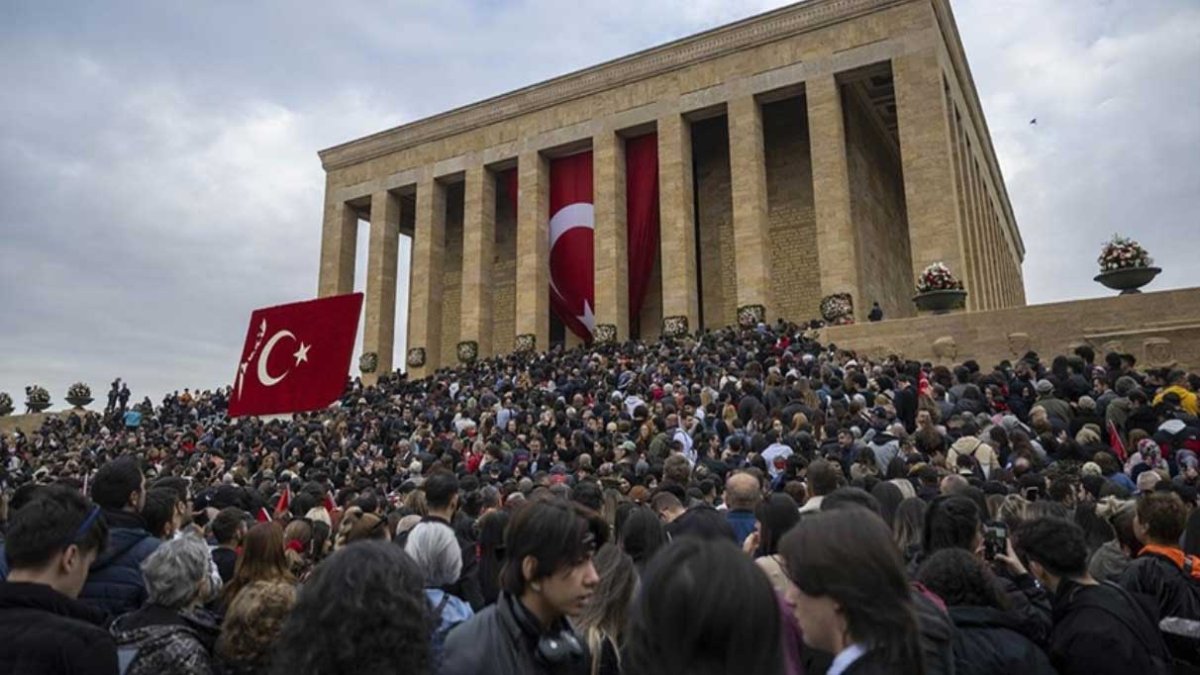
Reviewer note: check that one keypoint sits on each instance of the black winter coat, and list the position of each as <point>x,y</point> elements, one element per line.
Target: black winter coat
<point>46,633</point>
<point>1160,578</point>
<point>115,583</point>
<point>502,640</point>
<point>1175,594</point>
<point>1103,630</point>
<point>990,642</point>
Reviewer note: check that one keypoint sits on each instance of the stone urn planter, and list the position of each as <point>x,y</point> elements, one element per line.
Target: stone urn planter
<point>79,395</point>
<point>1129,279</point>
<point>37,406</point>
<point>940,302</point>
<point>37,399</point>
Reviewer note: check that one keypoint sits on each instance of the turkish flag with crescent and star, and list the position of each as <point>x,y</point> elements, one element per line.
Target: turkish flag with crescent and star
<point>572,224</point>
<point>296,357</point>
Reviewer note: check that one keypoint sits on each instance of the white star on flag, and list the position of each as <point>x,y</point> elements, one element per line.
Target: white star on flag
<point>302,353</point>
<point>587,318</point>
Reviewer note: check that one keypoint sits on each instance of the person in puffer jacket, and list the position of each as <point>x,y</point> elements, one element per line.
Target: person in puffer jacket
<point>115,583</point>
<point>169,635</point>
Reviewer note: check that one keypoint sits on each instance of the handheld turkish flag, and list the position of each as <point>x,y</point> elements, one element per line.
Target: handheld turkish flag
<point>296,356</point>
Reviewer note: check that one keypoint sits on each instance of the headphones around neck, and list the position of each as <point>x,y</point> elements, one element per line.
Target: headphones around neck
<point>559,648</point>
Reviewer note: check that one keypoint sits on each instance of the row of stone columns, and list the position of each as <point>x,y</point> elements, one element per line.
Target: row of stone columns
<point>928,163</point>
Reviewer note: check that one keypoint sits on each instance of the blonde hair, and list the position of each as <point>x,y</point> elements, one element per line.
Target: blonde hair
<point>253,621</point>
<point>1013,511</point>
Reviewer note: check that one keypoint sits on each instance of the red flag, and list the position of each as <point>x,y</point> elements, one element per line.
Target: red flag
<point>330,505</point>
<point>296,356</point>
<point>262,516</point>
<point>572,225</point>
<point>1115,442</point>
<point>285,500</point>
<point>641,217</point>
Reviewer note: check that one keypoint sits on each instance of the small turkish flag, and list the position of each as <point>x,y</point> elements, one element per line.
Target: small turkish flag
<point>296,356</point>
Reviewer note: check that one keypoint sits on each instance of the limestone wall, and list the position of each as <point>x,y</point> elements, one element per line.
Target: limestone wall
<point>504,273</point>
<point>1160,329</point>
<point>795,275</point>
<point>714,206</point>
<point>452,276</point>
<point>877,209</point>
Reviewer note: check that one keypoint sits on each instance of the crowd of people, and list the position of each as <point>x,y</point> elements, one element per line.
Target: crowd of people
<point>738,501</point>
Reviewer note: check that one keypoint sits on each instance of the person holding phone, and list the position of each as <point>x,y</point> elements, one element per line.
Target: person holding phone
<point>953,521</point>
<point>988,640</point>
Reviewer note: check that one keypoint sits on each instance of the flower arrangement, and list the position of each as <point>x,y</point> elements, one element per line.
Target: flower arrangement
<point>1121,253</point>
<point>6,403</point>
<point>838,309</point>
<point>937,277</point>
<point>37,399</point>
<point>79,390</point>
<point>468,351</point>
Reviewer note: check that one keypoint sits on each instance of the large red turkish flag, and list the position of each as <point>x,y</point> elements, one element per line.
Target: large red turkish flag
<point>296,356</point>
<point>572,224</point>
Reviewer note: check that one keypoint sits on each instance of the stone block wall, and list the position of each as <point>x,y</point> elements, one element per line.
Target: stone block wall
<point>877,210</point>
<point>710,152</point>
<point>795,274</point>
<point>504,271</point>
<point>452,276</point>
<point>651,316</point>
<point>1160,329</point>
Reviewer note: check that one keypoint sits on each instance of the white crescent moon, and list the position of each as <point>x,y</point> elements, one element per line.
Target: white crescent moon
<point>569,217</point>
<point>263,375</point>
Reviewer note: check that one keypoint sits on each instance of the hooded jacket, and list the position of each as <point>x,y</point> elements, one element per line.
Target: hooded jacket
<point>989,641</point>
<point>115,583</point>
<point>973,447</point>
<point>886,448</point>
<point>1108,562</point>
<point>46,632</point>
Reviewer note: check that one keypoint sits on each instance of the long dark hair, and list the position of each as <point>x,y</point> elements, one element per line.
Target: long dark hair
<point>641,535</point>
<point>704,609</point>
<point>381,623</point>
<point>848,555</point>
<point>775,516</point>
<point>491,553</point>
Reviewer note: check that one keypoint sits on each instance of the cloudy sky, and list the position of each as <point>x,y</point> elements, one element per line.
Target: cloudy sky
<point>159,176</point>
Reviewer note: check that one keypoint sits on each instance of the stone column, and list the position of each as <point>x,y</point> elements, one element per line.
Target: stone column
<point>750,226</point>
<point>934,227</point>
<point>610,251</point>
<point>425,287</point>
<point>379,330</point>
<point>677,226</point>
<point>533,252</point>
<point>479,240</point>
<point>837,241</point>
<point>970,276</point>
<point>339,237</point>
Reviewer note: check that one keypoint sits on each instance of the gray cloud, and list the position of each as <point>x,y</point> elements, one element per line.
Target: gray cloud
<point>158,176</point>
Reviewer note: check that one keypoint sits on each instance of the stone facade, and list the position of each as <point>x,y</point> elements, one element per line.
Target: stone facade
<point>832,146</point>
<point>1160,329</point>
